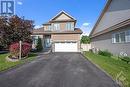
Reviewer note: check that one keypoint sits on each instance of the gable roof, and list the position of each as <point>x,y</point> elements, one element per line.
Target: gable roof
<point>63,12</point>
<point>100,17</point>
<point>112,18</point>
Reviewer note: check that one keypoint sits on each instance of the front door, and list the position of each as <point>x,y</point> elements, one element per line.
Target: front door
<point>47,42</point>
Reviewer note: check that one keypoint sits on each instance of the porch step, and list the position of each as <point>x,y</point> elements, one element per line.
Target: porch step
<point>45,51</point>
<point>49,51</point>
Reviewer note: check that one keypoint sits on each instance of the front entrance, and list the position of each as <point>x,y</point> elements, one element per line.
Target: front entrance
<point>47,41</point>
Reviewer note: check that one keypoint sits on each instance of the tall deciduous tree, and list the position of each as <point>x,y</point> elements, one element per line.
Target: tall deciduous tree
<point>14,29</point>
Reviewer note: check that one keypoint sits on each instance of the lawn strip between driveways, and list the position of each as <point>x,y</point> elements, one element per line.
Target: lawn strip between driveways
<point>112,66</point>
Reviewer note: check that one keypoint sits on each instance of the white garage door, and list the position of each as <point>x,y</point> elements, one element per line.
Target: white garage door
<point>66,47</point>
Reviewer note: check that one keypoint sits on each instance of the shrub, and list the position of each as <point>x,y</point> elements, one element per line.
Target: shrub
<point>126,57</point>
<point>90,50</point>
<point>1,47</point>
<point>26,47</point>
<point>14,49</point>
<point>39,45</point>
<point>105,53</point>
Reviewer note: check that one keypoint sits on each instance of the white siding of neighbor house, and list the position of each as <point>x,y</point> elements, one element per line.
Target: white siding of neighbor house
<point>118,11</point>
<point>63,17</point>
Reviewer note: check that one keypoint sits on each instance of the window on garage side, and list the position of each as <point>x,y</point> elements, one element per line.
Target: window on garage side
<point>117,38</point>
<point>128,36</point>
<point>122,37</point>
<point>113,38</point>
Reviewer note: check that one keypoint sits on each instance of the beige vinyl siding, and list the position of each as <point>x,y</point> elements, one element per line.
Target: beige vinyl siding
<point>63,17</point>
<point>75,37</point>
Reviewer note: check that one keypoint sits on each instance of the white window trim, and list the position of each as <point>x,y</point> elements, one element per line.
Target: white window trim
<point>126,36</point>
<point>48,28</point>
<point>114,38</point>
<point>120,37</point>
<point>70,27</point>
<point>57,27</point>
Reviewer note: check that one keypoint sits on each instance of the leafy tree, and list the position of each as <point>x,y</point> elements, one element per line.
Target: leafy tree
<point>14,29</point>
<point>39,45</point>
<point>85,39</point>
<point>3,26</point>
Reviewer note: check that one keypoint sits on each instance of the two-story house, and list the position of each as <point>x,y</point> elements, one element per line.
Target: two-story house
<point>59,34</point>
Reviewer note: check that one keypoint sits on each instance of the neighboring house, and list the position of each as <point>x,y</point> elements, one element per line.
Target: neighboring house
<point>112,30</point>
<point>59,34</point>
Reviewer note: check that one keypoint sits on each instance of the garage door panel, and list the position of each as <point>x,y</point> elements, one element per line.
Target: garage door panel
<point>66,47</point>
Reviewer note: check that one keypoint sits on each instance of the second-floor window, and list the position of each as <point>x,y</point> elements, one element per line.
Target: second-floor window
<point>49,28</point>
<point>69,26</point>
<point>56,26</point>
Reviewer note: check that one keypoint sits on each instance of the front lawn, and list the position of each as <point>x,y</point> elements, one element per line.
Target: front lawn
<point>6,65</point>
<point>112,66</point>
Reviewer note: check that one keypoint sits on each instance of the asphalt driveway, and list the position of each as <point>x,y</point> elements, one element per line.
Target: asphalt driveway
<point>57,70</point>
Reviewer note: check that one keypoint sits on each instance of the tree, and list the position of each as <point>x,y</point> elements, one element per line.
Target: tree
<point>3,26</point>
<point>39,45</point>
<point>14,29</point>
<point>85,40</point>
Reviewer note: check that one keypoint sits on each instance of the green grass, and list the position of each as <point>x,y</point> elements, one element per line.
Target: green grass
<point>4,65</point>
<point>111,65</point>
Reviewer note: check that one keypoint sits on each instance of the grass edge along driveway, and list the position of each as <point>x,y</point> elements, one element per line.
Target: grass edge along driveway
<point>5,65</point>
<point>112,66</point>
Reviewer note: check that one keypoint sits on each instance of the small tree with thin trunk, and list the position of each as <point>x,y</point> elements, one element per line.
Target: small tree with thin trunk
<point>39,45</point>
